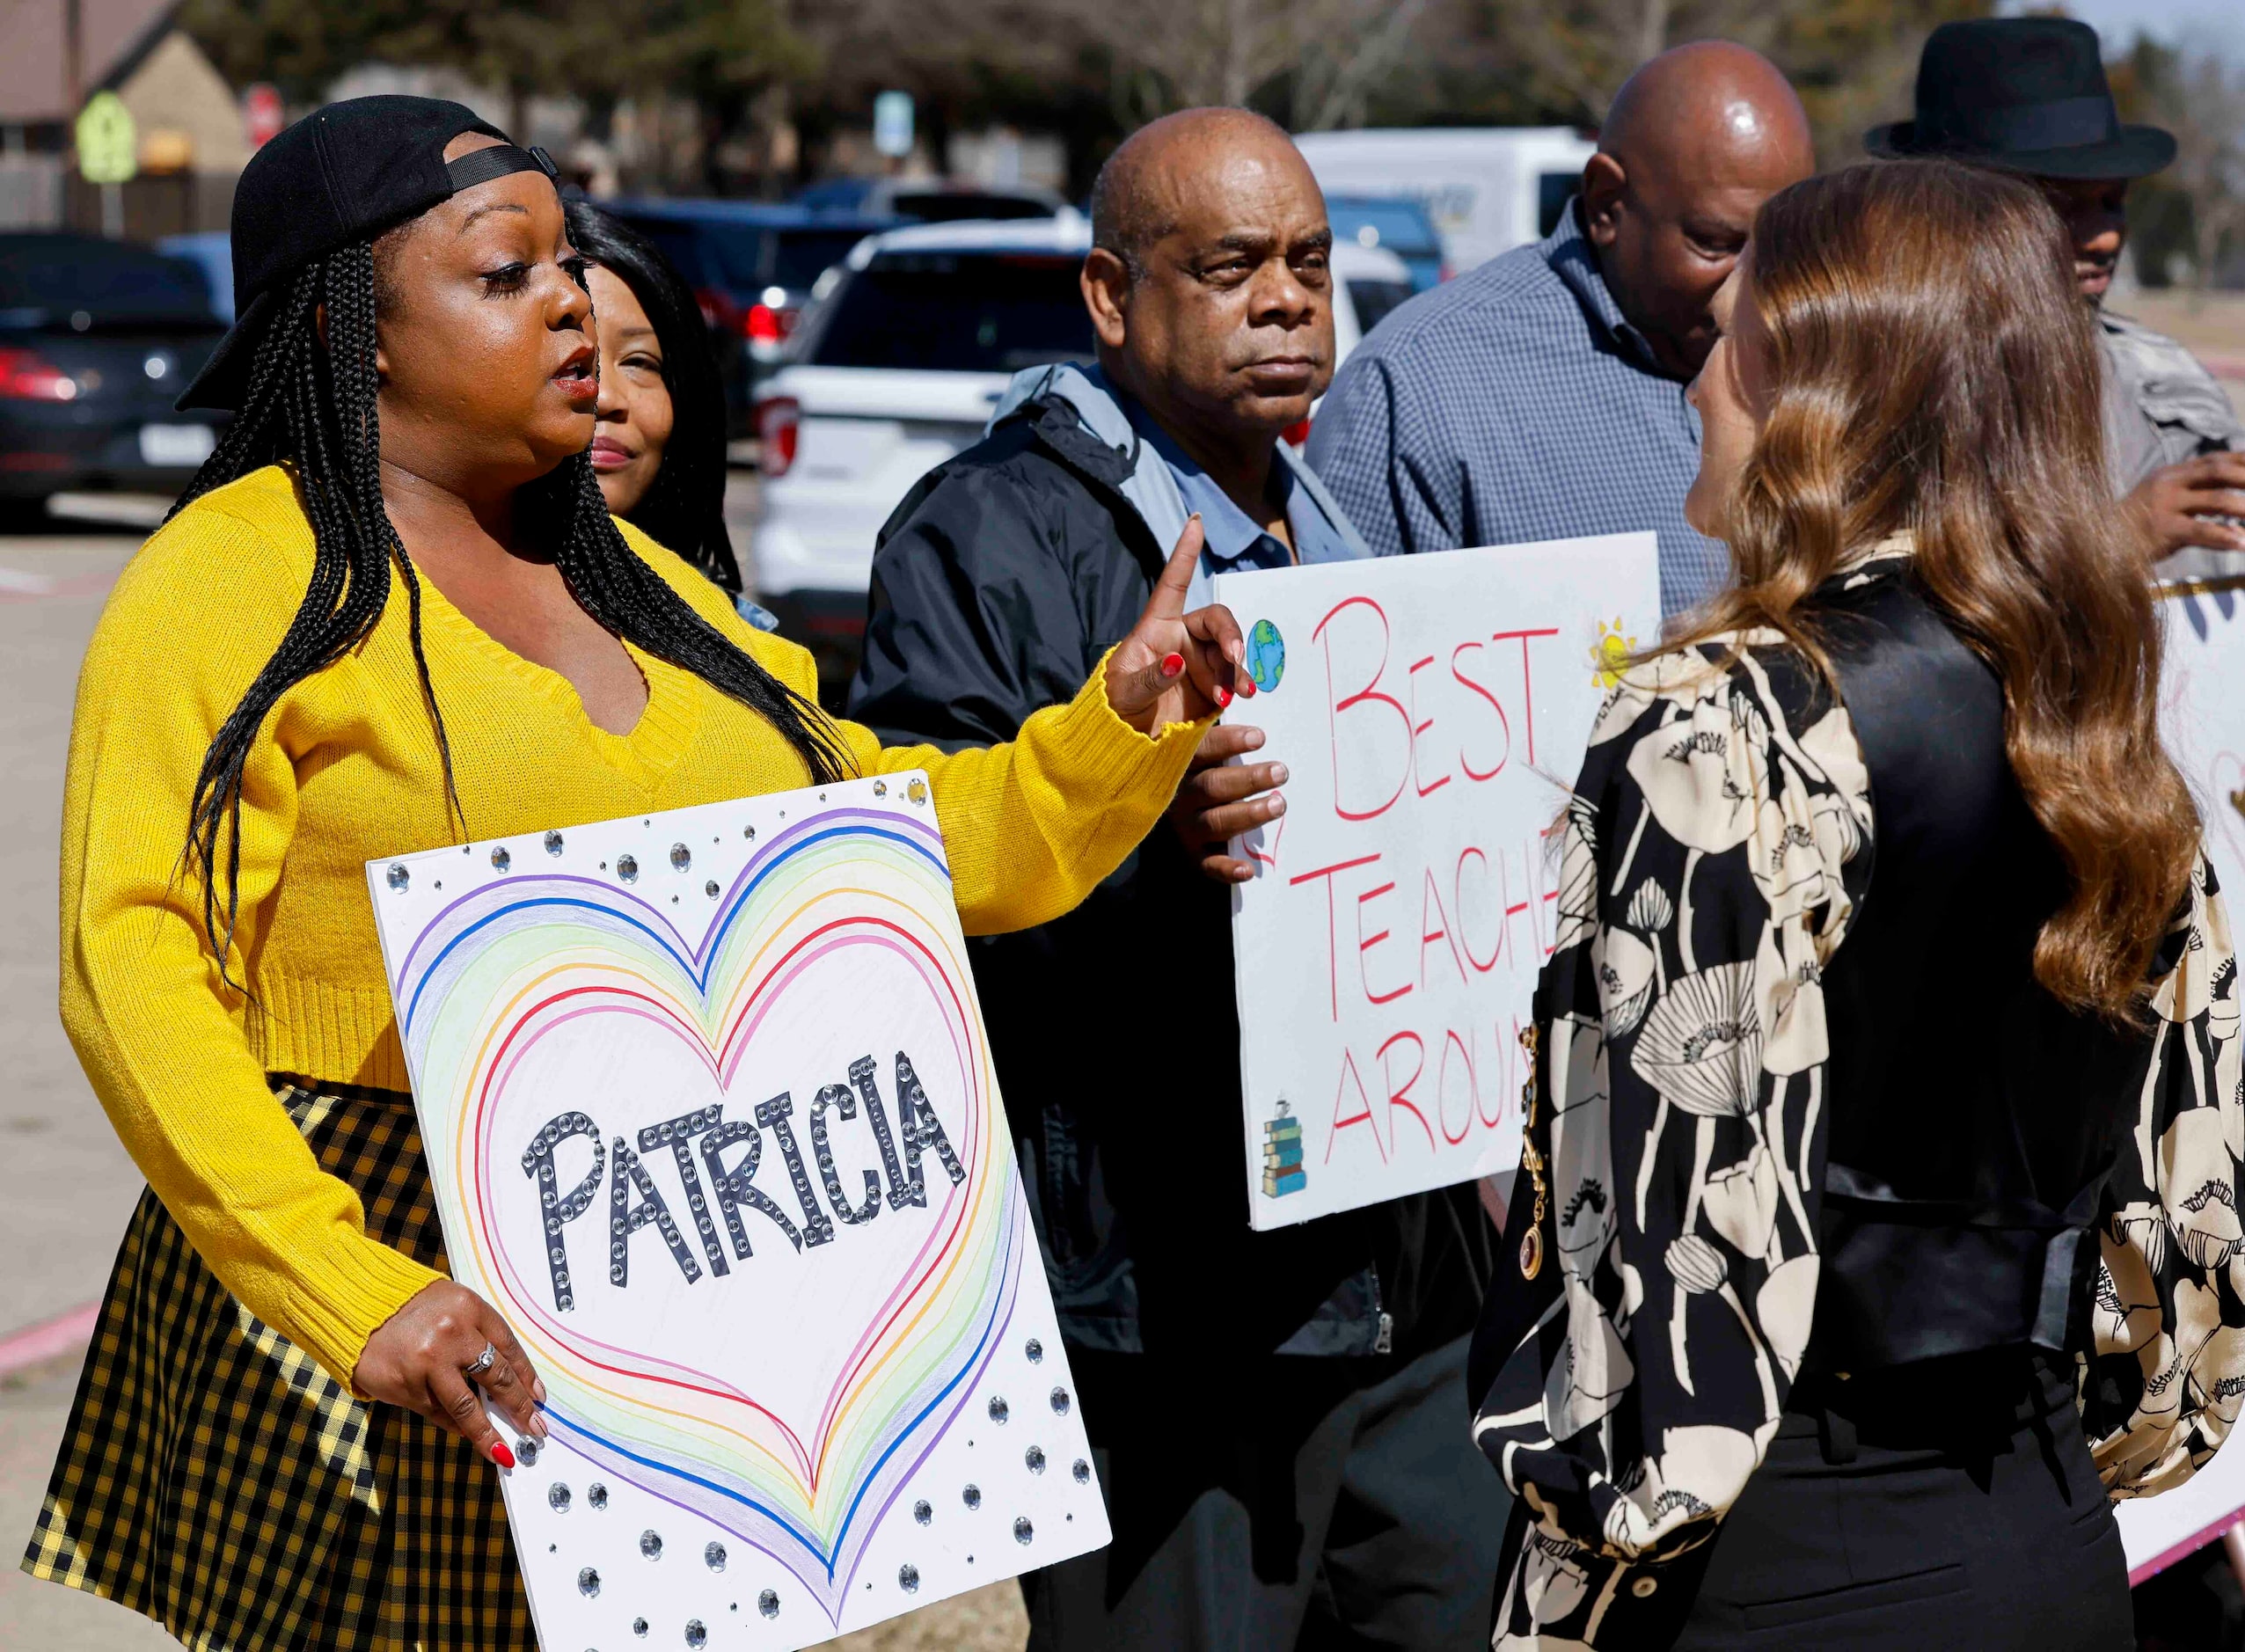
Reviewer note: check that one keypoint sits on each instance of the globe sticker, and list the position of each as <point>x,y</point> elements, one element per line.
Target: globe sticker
<point>1266,655</point>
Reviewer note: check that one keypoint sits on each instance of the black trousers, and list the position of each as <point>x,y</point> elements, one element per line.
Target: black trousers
<point>1950,1504</point>
<point>1279,1504</point>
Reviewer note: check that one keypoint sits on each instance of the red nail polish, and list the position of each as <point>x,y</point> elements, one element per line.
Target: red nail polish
<point>1223,697</point>
<point>501,1455</point>
<point>1172,664</point>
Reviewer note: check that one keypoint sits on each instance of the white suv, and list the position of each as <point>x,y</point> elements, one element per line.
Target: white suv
<point>904,350</point>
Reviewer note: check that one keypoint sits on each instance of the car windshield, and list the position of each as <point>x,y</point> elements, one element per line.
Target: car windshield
<point>804,254</point>
<point>108,280</point>
<point>959,312</point>
<point>1374,298</point>
<point>1399,226</point>
<point>954,206</point>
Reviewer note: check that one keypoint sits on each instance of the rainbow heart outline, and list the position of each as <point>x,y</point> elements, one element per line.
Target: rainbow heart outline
<point>503,966</point>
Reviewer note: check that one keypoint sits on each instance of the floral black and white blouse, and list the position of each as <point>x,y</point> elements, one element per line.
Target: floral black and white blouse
<point>1713,853</point>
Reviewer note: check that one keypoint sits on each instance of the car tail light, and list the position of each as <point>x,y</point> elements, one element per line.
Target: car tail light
<point>1296,434</point>
<point>27,375</point>
<point>719,313</point>
<point>779,419</point>
<point>764,324</point>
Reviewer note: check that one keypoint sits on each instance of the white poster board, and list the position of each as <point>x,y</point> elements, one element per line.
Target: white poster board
<point>1431,711</point>
<point>2203,716</point>
<point>711,1118</point>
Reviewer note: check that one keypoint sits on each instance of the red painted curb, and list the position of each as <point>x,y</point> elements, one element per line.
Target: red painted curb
<point>49,1339</point>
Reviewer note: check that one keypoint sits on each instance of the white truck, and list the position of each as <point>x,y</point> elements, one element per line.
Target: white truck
<point>1489,189</point>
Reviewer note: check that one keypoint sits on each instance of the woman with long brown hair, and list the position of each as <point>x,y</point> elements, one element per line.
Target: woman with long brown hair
<point>1876,1212</point>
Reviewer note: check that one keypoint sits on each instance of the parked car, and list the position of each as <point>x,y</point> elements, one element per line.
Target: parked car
<point>212,252</point>
<point>1488,189</point>
<point>98,337</point>
<point>752,265</point>
<point>931,199</point>
<point>1392,223</point>
<point>904,350</point>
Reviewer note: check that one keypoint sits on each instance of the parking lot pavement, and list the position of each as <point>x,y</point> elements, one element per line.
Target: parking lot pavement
<point>68,1186</point>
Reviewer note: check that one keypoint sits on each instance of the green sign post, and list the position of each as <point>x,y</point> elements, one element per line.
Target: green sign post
<point>108,147</point>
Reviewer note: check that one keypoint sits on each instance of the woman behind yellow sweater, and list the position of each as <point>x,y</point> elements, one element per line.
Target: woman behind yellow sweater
<point>220,1475</point>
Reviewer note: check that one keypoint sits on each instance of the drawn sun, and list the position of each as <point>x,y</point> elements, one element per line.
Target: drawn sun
<point>1611,654</point>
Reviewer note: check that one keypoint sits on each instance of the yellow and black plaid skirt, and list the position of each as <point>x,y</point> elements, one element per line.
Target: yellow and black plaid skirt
<point>215,1479</point>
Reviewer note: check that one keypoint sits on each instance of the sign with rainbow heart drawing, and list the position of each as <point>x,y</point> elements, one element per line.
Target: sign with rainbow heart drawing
<point>711,1120</point>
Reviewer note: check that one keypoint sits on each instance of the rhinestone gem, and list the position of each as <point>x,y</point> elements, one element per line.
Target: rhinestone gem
<point>971,1496</point>
<point>1023,1531</point>
<point>589,1583</point>
<point>681,857</point>
<point>553,843</point>
<point>696,1636</point>
<point>1060,1402</point>
<point>749,832</point>
<point>627,868</point>
<point>500,859</point>
<point>1082,1471</point>
<point>639,1625</point>
<point>881,788</point>
<point>558,1495</point>
<point>710,888</point>
<point>1034,1457</point>
<point>908,1578</point>
<point>999,1409</point>
<point>651,1545</point>
<point>923,1512</point>
<point>768,1603</point>
<point>916,790</point>
<point>526,1453</point>
<point>1035,1351</point>
<point>596,1494</point>
<point>399,876</point>
<point>714,1554</point>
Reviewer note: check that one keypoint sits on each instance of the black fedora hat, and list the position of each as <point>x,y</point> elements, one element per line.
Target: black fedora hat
<point>2024,94</point>
<point>342,174</point>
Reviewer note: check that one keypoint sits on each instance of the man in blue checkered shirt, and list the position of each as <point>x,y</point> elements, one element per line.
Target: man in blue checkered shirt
<point>1541,396</point>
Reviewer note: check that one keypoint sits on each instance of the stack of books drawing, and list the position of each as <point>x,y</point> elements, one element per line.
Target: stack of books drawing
<point>1283,1171</point>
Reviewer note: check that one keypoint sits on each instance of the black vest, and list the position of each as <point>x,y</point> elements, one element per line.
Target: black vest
<point>1972,1119</point>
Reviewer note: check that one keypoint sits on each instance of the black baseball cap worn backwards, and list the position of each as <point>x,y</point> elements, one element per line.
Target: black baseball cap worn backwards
<point>2023,95</point>
<point>341,174</point>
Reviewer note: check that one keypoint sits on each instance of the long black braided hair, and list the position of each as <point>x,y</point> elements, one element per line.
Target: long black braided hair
<point>310,405</point>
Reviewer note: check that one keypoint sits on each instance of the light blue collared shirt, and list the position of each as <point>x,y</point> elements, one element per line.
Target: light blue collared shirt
<point>1234,540</point>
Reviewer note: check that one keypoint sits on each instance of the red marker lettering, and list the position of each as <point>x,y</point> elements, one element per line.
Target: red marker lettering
<point>1371,691</point>
<point>1527,684</point>
<point>1457,899</point>
<point>1399,1095</point>
<point>1502,722</point>
<point>1418,728</point>
<point>1332,967</point>
<point>1430,902</point>
<point>1363,1117</point>
<point>1449,1042</point>
<point>1365,943</point>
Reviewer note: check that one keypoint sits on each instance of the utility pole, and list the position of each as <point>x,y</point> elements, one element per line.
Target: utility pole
<point>73,58</point>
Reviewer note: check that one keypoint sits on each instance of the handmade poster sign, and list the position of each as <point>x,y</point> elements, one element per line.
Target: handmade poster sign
<point>1432,712</point>
<point>2203,717</point>
<point>711,1120</point>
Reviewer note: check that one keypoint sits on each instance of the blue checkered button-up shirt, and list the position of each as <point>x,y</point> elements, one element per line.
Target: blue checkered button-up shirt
<point>1514,404</point>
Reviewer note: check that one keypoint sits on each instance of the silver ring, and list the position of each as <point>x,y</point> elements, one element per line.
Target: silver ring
<point>482,1362</point>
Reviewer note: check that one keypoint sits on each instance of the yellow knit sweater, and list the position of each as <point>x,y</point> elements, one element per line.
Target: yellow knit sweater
<point>347,769</point>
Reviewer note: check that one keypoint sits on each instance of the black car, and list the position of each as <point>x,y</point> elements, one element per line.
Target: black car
<point>98,337</point>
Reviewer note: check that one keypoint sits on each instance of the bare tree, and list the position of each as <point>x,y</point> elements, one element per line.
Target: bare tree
<point>2208,121</point>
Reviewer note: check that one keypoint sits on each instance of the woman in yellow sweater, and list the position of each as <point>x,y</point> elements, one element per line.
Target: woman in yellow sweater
<point>395,615</point>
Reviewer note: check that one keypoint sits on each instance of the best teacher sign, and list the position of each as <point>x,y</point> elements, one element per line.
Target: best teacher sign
<point>1432,712</point>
